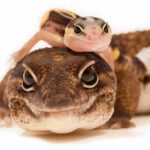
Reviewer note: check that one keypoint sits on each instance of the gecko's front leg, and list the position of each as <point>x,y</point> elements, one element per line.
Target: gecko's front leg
<point>50,38</point>
<point>51,31</point>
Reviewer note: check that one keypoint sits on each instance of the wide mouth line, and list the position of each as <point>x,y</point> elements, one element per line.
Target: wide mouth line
<point>82,107</point>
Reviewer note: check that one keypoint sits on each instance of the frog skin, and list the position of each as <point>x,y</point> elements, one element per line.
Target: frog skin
<point>59,90</point>
<point>51,90</point>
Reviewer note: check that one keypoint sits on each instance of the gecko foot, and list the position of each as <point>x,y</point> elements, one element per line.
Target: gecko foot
<point>118,123</point>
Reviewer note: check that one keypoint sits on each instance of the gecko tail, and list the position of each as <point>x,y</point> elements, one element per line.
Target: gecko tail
<point>132,42</point>
<point>144,57</point>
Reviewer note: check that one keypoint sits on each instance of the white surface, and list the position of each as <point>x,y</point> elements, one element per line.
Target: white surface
<point>20,20</point>
<point>124,139</point>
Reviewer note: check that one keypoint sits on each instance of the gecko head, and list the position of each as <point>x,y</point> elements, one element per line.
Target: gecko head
<point>61,91</point>
<point>88,34</point>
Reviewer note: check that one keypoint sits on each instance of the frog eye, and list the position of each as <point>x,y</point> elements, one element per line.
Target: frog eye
<point>29,79</point>
<point>88,76</point>
<point>105,28</point>
<point>78,29</point>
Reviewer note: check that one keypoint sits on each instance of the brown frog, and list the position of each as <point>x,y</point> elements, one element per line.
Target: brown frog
<point>59,90</point>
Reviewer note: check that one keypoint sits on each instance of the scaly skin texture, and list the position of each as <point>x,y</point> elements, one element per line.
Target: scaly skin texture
<point>60,102</point>
<point>131,43</point>
<point>61,28</point>
<point>130,73</point>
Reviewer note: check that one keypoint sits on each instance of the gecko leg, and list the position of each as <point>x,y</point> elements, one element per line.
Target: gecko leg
<point>118,123</point>
<point>46,36</point>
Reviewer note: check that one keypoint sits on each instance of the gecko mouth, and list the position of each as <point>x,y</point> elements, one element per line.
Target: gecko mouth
<point>84,40</point>
<point>83,44</point>
<point>94,41</point>
<point>37,111</point>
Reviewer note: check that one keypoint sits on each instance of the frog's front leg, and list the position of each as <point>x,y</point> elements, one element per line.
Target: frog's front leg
<point>5,115</point>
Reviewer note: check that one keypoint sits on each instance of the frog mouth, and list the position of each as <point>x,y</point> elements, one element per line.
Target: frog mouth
<point>38,111</point>
<point>65,120</point>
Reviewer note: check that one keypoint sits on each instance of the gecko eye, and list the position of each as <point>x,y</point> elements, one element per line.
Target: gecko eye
<point>105,28</point>
<point>88,76</point>
<point>78,29</point>
<point>28,81</point>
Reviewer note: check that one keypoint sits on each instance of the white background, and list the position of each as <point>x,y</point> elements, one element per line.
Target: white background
<point>19,20</point>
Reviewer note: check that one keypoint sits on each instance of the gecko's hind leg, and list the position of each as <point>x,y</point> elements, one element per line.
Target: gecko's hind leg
<point>118,123</point>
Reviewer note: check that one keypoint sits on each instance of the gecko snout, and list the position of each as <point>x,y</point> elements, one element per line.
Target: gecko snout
<point>94,33</point>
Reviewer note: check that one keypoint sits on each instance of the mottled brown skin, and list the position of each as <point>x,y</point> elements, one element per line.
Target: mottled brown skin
<point>127,44</point>
<point>129,73</point>
<point>131,43</point>
<point>58,86</point>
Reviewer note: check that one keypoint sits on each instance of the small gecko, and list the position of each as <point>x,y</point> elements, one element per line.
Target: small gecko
<point>62,28</point>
